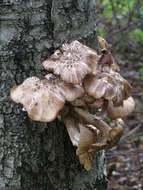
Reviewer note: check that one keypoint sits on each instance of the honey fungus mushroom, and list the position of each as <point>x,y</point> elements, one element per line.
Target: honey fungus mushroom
<point>111,87</point>
<point>83,136</point>
<point>43,99</point>
<point>110,136</point>
<point>106,61</point>
<point>121,111</point>
<point>80,81</point>
<point>72,62</point>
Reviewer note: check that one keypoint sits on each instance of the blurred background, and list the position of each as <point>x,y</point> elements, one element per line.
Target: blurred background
<point>120,22</point>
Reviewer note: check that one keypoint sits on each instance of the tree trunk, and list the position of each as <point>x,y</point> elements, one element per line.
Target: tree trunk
<point>35,155</point>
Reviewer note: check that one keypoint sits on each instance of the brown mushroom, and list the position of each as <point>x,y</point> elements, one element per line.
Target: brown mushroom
<point>106,61</point>
<point>110,137</point>
<point>108,86</point>
<point>40,98</point>
<point>87,138</point>
<point>82,136</point>
<point>70,91</point>
<point>72,62</point>
<point>43,99</point>
<point>18,95</point>
<point>103,43</point>
<point>97,86</point>
<point>82,80</point>
<point>71,124</point>
<point>115,112</point>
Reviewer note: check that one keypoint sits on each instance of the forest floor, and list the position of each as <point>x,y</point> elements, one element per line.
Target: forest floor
<point>125,162</point>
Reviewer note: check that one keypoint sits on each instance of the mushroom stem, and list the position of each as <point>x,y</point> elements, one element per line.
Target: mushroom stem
<point>89,118</point>
<point>112,139</point>
<point>111,136</point>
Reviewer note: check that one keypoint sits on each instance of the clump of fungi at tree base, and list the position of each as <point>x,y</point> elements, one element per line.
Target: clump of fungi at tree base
<point>79,81</point>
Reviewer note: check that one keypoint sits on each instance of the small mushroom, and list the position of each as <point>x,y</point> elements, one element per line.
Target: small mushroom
<point>87,138</point>
<point>108,86</point>
<point>82,136</point>
<point>110,137</point>
<point>72,62</point>
<point>106,61</point>
<point>103,43</point>
<point>73,129</point>
<point>97,86</point>
<point>122,111</point>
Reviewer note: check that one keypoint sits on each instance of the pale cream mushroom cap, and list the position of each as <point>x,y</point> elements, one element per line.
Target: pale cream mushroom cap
<point>115,112</point>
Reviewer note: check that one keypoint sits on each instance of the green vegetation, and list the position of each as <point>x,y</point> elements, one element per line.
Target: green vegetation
<point>120,22</point>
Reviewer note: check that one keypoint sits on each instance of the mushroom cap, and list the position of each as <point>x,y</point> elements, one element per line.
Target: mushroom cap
<point>115,112</point>
<point>97,86</point>
<point>68,90</point>
<point>106,60</point>
<point>103,43</point>
<point>43,99</point>
<point>72,62</point>
<point>106,63</point>
<point>110,86</point>
<point>18,95</point>
<point>40,98</point>
<point>72,92</point>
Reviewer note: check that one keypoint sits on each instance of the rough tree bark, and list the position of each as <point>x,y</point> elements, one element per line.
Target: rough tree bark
<point>34,155</point>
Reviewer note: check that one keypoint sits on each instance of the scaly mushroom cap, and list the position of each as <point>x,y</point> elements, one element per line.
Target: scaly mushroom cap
<point>106,62</point>
<point>42,99</point>
<point>109,86</point>
<point>115,112</point>
<point>72,62</point>
<point>18,95</point>
<point>70,91</point>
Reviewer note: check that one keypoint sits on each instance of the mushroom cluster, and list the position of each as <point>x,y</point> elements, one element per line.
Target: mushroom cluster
<point>79,83</point>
